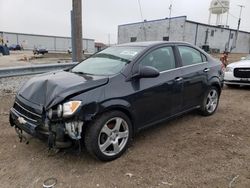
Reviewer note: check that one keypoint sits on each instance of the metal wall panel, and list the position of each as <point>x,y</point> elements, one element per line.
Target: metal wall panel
<point>52,43</point>
<point>184,30</point>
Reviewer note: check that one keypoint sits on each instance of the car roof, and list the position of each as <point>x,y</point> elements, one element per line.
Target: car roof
<point>151,43</point>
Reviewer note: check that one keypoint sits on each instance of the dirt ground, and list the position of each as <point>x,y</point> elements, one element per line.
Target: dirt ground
<point>191,151</point>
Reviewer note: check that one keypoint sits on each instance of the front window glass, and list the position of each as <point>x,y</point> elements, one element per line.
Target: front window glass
<point>109,61</point>
<point>161,59</point>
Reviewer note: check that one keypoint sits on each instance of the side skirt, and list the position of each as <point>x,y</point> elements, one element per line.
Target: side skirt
<point>168,118</point>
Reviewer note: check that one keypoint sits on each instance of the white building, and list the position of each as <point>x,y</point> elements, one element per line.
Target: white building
<point>52,43</point>
<point>181,29</point>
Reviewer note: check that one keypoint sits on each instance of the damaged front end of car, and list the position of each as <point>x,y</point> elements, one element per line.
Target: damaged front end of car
<point>60,125</point>
<point>50,107</point>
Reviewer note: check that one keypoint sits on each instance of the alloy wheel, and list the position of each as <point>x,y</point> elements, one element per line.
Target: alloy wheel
<point>113,136</point>
<point>212,101</point>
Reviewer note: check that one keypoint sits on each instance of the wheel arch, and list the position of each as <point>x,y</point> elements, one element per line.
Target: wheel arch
<point>122,106</point>
<point>215,82</point>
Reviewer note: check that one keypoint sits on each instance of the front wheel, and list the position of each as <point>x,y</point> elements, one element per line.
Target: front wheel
<point>108,136</point>
<point>210,102</point>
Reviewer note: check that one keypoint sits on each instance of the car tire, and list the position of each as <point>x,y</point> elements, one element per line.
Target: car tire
<point>210,102</point>
<point>108,136</point>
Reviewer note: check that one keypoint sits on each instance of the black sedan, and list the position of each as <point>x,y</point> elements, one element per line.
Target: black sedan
<point>103,101</point>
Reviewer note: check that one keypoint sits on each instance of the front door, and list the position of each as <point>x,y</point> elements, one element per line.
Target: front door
<point>158,98</point>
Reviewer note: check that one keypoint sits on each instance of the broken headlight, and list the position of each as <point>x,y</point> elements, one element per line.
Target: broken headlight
<point>59,110</point>
<point>65,110</point>
<point>69,108</point>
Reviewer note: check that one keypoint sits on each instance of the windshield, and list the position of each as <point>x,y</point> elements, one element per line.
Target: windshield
<point>248,57</point>
<point>109,61</point>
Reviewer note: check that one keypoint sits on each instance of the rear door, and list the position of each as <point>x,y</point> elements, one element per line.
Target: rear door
<point>160,97</point>
<point>194,75</point>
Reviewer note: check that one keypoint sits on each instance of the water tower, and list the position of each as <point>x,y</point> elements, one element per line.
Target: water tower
<point>219,7</point>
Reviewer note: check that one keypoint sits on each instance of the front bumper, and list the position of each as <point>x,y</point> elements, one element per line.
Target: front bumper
<point>57,136</point>
<point>229,78</point>
<point>17,120</point>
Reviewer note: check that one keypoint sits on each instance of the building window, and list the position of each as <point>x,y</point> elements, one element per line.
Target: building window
<point>133,39</point>
<point>212,33</point>
<point>165,38</point>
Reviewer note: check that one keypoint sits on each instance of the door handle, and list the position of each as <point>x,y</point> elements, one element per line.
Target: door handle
<point>178,79</point>
<point>206,70</point>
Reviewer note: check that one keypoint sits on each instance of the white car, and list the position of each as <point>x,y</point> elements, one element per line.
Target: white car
<point>238,73</point>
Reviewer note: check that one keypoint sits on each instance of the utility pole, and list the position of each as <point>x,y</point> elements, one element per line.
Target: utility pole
<point>76,30</point>
<point>143,21</point>
<point>170,14</point>
<point>169,20</point>
<point>238,29</point>
<point>241,7</point>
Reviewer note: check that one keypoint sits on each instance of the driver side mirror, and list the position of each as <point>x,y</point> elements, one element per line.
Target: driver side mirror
<point>147,72</point>
<point>243,58</point>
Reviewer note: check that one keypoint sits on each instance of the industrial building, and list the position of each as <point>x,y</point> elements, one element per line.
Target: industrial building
<point>218,38</point>
<point>51,43</point>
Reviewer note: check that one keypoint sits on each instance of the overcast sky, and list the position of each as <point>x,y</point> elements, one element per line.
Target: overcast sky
<point>102,17</point>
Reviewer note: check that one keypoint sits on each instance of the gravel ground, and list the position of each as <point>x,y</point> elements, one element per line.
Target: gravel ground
<point>191,151</point>
<point>12,84</point>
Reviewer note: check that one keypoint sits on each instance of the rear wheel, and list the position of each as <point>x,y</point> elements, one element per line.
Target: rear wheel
<point>108,136</point>
<point>210,102</point>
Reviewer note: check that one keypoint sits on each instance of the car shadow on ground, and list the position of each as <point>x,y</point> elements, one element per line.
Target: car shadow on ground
<point>143,137</point>
<point>237,87</point>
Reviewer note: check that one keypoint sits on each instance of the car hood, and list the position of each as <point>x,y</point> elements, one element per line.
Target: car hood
<point>243,63</point>
<point>50,89</point>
